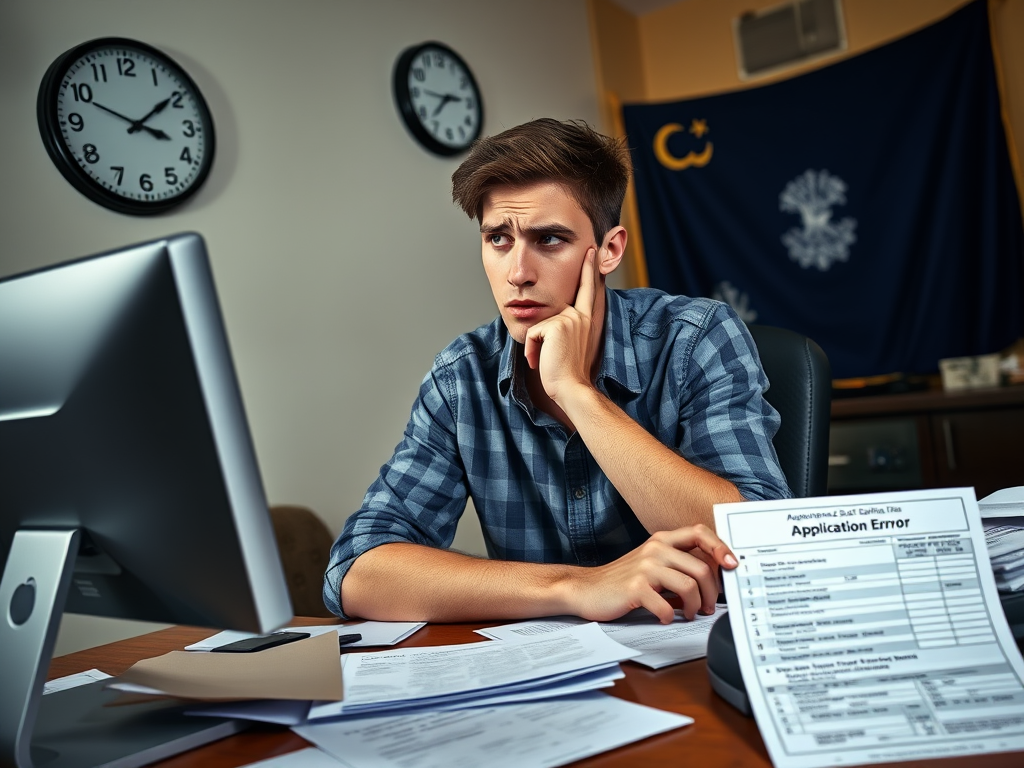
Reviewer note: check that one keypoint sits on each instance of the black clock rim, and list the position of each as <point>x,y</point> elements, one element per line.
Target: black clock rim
<point>403,99</point>
<point>49,130</point>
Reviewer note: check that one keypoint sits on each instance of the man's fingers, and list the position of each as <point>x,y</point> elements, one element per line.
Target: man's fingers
<point>658,605</point>
<point>587,293</point>
<point>532,345</point>
<point>707,540</point>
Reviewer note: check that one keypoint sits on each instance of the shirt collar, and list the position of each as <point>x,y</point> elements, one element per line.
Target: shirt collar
<point>618,363</point>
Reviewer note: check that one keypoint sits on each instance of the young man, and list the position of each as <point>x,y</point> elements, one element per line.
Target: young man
<point>594,429</point>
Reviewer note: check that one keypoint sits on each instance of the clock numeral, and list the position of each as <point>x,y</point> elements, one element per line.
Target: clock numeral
<point>439,59</point>
<point>77,123</point>
<point>449,134</point>
<point>146,182</point>
<point>186,156</point>
<point>99,73</point>
<point>423,112</point>
<point>120,172</point>
<point>470,103</point>
<point>463,83</point>
<point>426,60</point>
<point>90,154</point>
<point>468,121</point>
<point>189,129</point>
<point>419,74</point>
<point>176,100</point>
<point>125,67</point>
<point>82,92</point>
<point>414,92</point>
<point>462,132</point>
<point>170,176</point>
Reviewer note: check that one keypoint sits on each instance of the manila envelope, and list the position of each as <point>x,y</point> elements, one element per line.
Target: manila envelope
<point>308,669</point>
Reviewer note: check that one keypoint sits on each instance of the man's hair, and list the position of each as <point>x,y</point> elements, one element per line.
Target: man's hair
<point>592,167</point>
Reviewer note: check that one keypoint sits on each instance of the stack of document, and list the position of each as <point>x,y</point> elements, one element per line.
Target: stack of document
<point>1002,515</point>
<point>569,661</point>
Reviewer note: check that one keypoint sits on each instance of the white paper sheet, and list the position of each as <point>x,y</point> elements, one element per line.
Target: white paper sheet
<point>533,735</point>
<point>73,681</point>
<point>1006,502</point>
<point>373,632</point>
<point>869,630</point>
<point>661,645</point>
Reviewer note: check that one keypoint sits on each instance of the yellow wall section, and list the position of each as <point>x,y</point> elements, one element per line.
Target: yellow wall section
<point>687,50</point>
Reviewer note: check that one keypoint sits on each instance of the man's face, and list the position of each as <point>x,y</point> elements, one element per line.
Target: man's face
<point>535,238</point>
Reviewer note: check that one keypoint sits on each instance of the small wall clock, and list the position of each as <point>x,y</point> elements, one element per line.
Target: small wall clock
<point>438,98</point>
<point>125,125</point>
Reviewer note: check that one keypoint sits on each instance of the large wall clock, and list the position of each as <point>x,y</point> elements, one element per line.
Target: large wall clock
<point>438,98</point>
<point>125,125</point>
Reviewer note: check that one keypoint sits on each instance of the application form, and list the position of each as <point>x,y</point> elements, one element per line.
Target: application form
<point>869,630</point>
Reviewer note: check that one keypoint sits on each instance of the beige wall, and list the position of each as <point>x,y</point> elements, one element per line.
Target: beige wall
<point>687,50</point>
<point>341,263</point>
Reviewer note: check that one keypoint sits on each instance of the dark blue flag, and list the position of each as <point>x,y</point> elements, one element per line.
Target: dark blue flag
<point>869,204</point>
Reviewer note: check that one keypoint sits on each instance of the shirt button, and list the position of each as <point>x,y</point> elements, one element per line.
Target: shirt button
<point>579,493</point>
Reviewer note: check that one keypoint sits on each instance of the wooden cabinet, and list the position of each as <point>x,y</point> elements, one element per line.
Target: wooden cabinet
<point>928,439</point>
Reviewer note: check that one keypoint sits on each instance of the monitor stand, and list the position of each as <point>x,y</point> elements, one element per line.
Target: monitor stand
<point>74,728</point>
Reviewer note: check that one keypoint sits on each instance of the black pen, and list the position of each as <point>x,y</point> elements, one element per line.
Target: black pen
<point>344,640</point>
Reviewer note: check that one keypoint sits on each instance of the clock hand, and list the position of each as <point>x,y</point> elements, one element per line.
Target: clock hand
<point>444,100</point>
<point>135,124</point>
<point>138,124</point>
<point>116,114</point>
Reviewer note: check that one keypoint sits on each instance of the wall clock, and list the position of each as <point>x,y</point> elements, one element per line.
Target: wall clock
<point>438,98</point>
<point>125,125</point>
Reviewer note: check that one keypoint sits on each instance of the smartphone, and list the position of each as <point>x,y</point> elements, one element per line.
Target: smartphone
<point>260,643</point>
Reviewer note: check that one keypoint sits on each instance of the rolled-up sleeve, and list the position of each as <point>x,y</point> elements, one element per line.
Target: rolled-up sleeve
<point>727,424</point>
<point>418,497</point>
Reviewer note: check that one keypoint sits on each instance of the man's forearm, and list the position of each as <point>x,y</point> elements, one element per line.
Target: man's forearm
<point>664,490</point>
<point>410,582</point>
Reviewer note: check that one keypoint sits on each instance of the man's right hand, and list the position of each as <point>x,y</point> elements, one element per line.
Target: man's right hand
<point>661,564</point>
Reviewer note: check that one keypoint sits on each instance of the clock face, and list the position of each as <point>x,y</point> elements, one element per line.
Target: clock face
<point>438,98</point>
<point>126,125</point>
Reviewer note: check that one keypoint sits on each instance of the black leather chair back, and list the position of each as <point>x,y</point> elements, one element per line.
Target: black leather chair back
<point>800,390</point>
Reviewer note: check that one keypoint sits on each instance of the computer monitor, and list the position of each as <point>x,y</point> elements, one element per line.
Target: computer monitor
<point>129,485</point>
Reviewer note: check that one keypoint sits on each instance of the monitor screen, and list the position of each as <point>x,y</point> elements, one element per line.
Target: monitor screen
<point>123,440</point>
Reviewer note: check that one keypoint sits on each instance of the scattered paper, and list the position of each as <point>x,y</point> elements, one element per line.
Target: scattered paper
<point>300,712</point>
<point>532,735</point>
<point>308,669</point>
<point>73,681</point>
<point>373,632</point>
<point>661,645</point>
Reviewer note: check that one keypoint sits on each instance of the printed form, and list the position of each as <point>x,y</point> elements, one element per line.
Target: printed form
<point>868,628</point>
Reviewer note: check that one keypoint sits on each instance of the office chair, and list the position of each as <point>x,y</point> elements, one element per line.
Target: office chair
<point>800,380</point>
<point>304,543</point>
<point>800,389</point>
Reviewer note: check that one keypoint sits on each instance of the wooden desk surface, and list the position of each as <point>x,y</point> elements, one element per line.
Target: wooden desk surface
<point>719,737</point>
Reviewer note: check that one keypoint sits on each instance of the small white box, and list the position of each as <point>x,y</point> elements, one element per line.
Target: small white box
<point>969,372</point>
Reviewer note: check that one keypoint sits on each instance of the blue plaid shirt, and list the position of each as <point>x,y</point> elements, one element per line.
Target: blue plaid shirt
<point>686,369</point>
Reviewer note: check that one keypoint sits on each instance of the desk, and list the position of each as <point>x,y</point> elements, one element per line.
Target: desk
<point>928,439</point>
<point>720,737</point>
